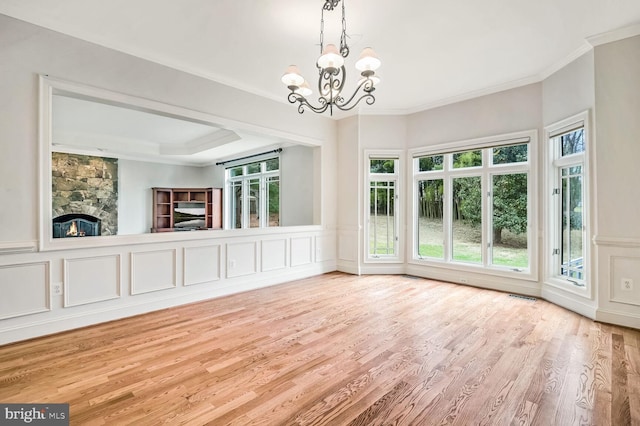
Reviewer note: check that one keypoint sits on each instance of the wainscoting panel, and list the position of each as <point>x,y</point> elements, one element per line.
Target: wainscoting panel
<point>274,254</point>
<point>325,248</point>
<point>241,259</point>
<point>348,244</point>
<point>301,251</point>
<point>201,264</point>
<point>625,269</point>
<point>152,271</point>
<point>24,289</point>
<point>90,280</point>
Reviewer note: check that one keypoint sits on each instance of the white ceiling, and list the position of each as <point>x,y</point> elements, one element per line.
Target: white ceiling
<point>90,127</point>
<point>432,52</point>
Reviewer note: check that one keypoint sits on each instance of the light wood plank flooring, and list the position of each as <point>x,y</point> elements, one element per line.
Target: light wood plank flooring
<point>338,349</point>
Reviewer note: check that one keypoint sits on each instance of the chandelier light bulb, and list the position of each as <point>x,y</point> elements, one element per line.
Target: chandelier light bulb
<point>304,90</point>
<point>292,77</point>
<point>368,60</point>
<point>331,57</point>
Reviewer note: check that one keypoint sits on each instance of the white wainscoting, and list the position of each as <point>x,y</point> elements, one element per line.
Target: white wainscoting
<point>301,251</point>
<point>325,248</point>
<point>348,250</point>
<point>274,254</point>
<point>24,289</point>
<point>627,269</point>
<point>618,259</point>
<point>153,271</point>
<point>91,280</point>
<point>110,282</point>
<point>201,264</point>
<point>242,259</point>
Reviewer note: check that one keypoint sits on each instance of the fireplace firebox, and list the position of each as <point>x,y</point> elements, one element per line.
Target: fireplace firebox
<point>76,225</point>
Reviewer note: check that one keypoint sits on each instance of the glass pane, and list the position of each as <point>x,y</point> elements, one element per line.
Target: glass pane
<point>510,221</point>
<point>381,219</point>
<point>273,164</point>
<point>467,219</point>
<point>236,171</point>
<point>273,192</point>
<point>467,159</point>
<point>253,168</point>
<point>572,251</point>
<point>430,227</point>
<point>427,164</point>
<point>511,154</point>
<point>236,204</point>
<point>382,166</point>
<point>254,203</point>
<point>572,143</point>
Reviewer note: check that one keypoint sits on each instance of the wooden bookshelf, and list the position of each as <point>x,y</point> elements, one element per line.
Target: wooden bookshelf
<point>165,201</point>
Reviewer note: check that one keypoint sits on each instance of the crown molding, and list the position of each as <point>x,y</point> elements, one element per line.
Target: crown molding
<point>615,35</point>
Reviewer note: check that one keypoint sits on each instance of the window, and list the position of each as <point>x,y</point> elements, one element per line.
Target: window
<point>253,192</point>
<point>382,208</point>
<point>473,207</point>
<point>567,185</point>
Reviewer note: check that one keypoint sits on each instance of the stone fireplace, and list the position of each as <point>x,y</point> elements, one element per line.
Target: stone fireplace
<point>86,186</point>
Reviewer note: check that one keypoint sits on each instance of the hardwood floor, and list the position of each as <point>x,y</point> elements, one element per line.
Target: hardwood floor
<point>339,350</point>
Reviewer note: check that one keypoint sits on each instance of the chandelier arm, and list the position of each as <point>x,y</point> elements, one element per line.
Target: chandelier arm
<point>369,100</point>
<point>304,103</point>
<point>367,86</point>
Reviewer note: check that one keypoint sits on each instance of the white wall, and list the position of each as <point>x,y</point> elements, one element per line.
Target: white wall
<point>135,197</point>
<point>569,91</point>
<point>565,93</point>
<point>617,94</point>
<point>297,185</point>
<point>500,113</point>
<point>113,277</point>
<point>349,195</point>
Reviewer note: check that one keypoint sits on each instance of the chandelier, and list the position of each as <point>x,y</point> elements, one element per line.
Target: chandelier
<point>332,74</point>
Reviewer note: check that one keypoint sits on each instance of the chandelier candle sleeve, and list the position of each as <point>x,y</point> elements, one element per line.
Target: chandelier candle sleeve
<point>332,73</point>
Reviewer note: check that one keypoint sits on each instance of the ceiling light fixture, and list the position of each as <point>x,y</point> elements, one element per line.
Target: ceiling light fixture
<point>333,74</point>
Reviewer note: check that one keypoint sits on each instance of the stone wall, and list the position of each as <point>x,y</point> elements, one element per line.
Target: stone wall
<point>86,184</point>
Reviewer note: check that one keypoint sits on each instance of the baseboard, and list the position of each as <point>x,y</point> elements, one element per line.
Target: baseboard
<point>507,285</point>
<point>57,321</point>
<point>618,318</point>
<point>552,295</point>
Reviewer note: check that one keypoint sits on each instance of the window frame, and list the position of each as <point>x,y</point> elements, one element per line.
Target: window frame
<point>554,163</point>
<point>395,177</point>
<point>486,172</point>
<point>245,180</point>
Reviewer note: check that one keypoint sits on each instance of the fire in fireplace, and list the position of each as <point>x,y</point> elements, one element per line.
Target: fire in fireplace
<point>76,225</point>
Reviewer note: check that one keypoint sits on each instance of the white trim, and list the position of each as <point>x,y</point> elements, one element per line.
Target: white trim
<point>553,295</point>
<point>477,143</point>
<point>396,177</point>
<point>18,247</point>
<point>615,35</point>
<point>447,174</point>
<point>625,319</point>
<point>601,240</point>
<point>49,86</point>
<point>73,319</point>
<point>549,222</point>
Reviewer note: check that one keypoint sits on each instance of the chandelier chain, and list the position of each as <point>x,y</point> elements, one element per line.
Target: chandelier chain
<point>344,49</point>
